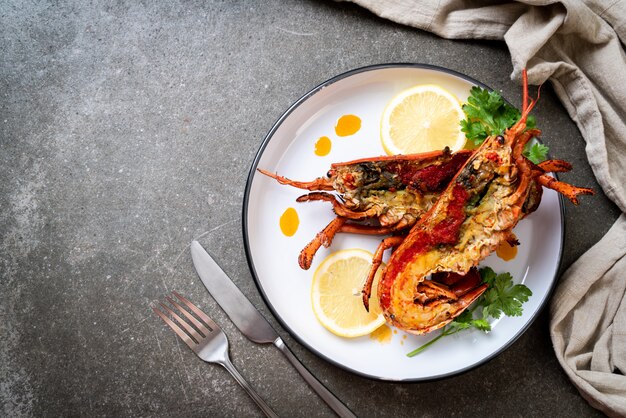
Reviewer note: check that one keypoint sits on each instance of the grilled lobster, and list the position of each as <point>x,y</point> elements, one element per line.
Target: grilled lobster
<point>380,195</point>
<point>426,284</point>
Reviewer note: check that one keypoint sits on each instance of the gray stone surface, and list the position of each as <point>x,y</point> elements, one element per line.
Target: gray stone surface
<point>126,130</point>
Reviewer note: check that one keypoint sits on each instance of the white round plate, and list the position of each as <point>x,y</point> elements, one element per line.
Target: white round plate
<point>288,150</point>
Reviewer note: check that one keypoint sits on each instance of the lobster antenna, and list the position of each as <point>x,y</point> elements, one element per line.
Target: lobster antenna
<point>524,90</point>
<point>526,106</point>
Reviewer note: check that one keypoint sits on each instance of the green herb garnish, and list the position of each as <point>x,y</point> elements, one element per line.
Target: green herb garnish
<point>536,152</point>
<point>501,297</point>
<point>488,114</point>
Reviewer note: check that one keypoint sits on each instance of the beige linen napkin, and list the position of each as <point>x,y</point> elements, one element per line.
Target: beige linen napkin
<point>579,47</point>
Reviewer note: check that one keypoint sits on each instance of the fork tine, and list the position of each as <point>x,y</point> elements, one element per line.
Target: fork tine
<point>197,311</point>
<point>191,318</point>
<point>213,348</point>
<point>190,330</point>
<point>191,343</point>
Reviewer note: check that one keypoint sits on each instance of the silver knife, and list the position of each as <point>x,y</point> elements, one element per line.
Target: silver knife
<point>250,321</point>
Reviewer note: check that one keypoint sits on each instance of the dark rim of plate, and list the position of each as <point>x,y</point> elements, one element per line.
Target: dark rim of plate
<point>252,174</point>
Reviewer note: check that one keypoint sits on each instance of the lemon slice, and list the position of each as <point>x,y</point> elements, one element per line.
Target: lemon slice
<point>336,294</point>
<point>420,119</point>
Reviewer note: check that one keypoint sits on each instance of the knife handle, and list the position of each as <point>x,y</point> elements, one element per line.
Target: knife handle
<point>332,401</point>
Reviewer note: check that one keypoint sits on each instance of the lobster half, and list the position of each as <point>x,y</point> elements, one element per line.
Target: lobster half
<point>430,277</point>
<point>381,195</point>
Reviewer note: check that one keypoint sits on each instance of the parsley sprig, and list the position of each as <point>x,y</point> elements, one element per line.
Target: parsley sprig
<point>488,114</point>
<point>501,297</point>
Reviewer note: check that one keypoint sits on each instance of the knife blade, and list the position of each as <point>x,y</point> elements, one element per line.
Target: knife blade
<point>238,308</point>
<point>250,321</point>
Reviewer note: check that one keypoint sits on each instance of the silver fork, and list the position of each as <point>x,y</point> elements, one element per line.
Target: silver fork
<point>207,340</point>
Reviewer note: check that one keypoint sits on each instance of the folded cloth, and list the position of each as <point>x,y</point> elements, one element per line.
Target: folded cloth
<point>588,325</point>
<point>578,46</point>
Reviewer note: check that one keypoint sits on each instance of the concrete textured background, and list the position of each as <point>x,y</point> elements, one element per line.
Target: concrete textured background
<point>126,130</point>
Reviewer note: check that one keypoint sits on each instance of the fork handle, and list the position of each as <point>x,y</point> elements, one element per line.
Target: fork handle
<point>244,384</point>
<point>328,397</point>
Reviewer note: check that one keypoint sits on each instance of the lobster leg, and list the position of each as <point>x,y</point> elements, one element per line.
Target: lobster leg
<point>567,190</point>
<point>320,183</point>
<point>324,237</point>
<point>338,207</point>
<point>377,260</point>
<point>351,228</point>
<point>555,166</point>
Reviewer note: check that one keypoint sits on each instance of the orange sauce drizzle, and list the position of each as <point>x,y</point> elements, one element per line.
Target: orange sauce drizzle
<point>322,146</point>
<point>382,334</point>
<point>289,222</point>
<point>348,125</point>
<point>506,251</point>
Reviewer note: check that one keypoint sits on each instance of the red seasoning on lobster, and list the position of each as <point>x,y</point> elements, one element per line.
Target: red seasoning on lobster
<point>379,195</point>
<point>491,193</point>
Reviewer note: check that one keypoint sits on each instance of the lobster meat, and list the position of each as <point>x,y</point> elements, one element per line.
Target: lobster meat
<point>426,284</point>
<point>380,195</point>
